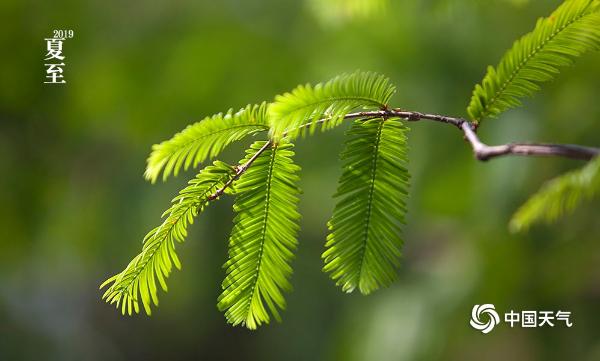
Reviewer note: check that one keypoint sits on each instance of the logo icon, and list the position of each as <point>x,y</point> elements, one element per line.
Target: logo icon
<point>483,310</point>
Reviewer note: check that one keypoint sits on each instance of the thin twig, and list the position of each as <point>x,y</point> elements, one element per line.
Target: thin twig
<point>239,170</point>
<point>484,152</point>
<point>481,150</point>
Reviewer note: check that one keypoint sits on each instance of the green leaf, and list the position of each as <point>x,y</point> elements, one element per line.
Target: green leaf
<point>204,139</point>
<point>363,247</point>
<point>263,238</point>
<point>573,29</point>
<point>559,196</point>
<point>138,281</point>
<point>291,112</point>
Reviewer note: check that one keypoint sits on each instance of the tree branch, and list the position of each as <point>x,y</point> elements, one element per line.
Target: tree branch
<point>481,150</point>
<point>485,152</point>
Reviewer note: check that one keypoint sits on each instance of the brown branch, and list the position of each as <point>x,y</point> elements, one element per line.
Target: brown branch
<point>481,150</point>
<point>485,152</point>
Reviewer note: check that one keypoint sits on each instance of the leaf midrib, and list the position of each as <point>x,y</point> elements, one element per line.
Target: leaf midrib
<point>263,235</point>
<point>334,99</point>
<point>168,235</point>
<point>197,139</point>
<point>370,202</point>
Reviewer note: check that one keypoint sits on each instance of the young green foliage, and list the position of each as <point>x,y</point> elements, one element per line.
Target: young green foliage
<point>571,30</point>
<point>204,139</point>
<point>263,238</point>
<point>559,196</point>
<point>332,100</point>
<point>363,247</point>
<point>137,282</point>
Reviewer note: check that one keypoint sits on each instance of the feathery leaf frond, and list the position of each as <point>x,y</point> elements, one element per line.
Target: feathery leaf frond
<point>331,100</point>
<point>263,238</point>
<point>559,196</point>
<point>204,139</point>
<point>571,30</point>
<point>138,280</point>
<point>364,243</point>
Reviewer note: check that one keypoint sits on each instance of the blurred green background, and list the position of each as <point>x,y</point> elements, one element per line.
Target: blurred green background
<point>75,207</point>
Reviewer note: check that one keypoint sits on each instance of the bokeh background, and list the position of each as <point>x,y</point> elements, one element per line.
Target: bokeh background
<point>74,206</point>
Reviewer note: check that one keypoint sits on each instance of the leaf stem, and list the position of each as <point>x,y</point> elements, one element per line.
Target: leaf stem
<point>239,170</point>
<point>481,151</point>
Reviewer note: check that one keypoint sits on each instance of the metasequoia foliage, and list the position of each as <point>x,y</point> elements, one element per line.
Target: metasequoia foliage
<point>364,243</point>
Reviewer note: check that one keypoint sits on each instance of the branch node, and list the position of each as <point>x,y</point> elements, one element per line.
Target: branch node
<point>482,155</point>
<point>414,116</point>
